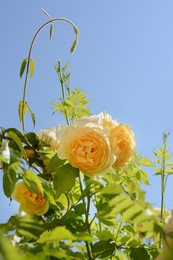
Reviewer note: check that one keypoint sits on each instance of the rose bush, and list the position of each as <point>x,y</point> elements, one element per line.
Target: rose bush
<point>30,202</point>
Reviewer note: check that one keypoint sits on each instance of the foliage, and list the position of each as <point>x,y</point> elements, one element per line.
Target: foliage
<point>101,218</point>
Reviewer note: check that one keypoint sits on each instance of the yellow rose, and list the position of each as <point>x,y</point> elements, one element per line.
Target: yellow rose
<point>123,145</point>
<point>50,136</point>
<point>85,144</point>
<point>29,201</point>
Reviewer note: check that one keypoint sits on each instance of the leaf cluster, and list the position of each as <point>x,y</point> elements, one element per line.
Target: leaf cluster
<point>73,103</point>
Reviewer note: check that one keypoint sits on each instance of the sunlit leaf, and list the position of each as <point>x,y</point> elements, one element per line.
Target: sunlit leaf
<point>31,67</point>
<point>22,107</point>
<point>57,234</point>
<point>112,189</point>
<point>104,234</point>
<point>8,251</point>
<point>145,161</point>
<point>31,114</point>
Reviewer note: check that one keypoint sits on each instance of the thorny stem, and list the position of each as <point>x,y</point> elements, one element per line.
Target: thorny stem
<point>29,58</point>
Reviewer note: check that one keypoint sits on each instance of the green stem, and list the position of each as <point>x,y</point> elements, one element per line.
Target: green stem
<point>63,98</point>
<point>29,58</point>
<point>163,182</point>
<point>88,251</point>
<point>88,246</point>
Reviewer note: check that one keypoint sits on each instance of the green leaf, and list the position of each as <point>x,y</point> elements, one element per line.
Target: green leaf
<point>9,251</point>
<point>73,47</point>
<point>23,66</point>
<point>143,176</point>
<point>32,139</point>
<point>63,70</point>
<point>64,179</point>
<point>16,139</point>
<point>9,179</point>
<point>104,234</point>
<point>3,159</point>
<point>74,105</point>
<point>26,233</point>
<point>128,208</point>
<point>144,161</point>
<point>103,249</point>
<point>31,114</point>
<point>169,170</point>
<point>51,31</point>
<point>22,110</point>
<point>76,30</point>
<point>29,226</point>
<point>46,13</point>
<point>51,25</point>
<point>16,131</point>
<point>112,189</point>
<point>57,234</point>
<point>80,209</point>
<point>52,251</point>
<point>139,253</point>
<point>31,67</point>
<point>54,164</point>
<point>48,190</point>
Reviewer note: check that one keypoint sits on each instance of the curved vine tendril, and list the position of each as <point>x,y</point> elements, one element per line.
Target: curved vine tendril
<point>22,104</point>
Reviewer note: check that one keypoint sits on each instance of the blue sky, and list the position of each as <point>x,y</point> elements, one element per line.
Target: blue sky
<point>123,61</point>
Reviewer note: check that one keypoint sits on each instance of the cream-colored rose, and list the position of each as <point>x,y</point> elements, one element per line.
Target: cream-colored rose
<point>50,136</point>
<point>122,144</point>
<point>86,145</point>
<point>30,202</point>
<point>104,120</point>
